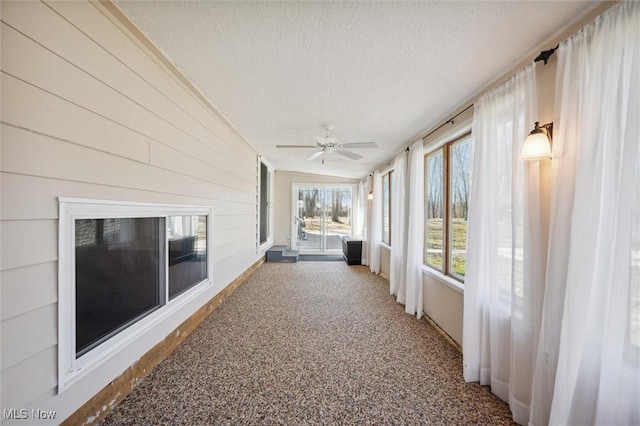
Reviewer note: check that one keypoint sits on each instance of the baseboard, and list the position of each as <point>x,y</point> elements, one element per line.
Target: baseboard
<point>443,333</point>
<point>437,327</point>
<point>94,410</point>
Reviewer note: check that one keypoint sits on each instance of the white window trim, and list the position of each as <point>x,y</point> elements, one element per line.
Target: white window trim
<point>70,369</point>
<point>269,242</point>
<point>444,279</point>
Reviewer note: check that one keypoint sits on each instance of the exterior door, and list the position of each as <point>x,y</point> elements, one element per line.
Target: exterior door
<point>322,216</point>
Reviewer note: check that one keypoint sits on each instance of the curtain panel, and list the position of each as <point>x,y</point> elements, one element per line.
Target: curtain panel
<point>398,266</point>
<point>503,297</point>
<point>366,218</point>
<point>375,227</point>
<point>415,231</point>
<point>359,210</point>
<point>569,292</point>
<point>588,365</point>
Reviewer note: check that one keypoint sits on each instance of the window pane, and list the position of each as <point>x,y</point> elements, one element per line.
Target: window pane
<point>459,168</point>
<point>264,203</point>
<point>435,209</point>
<point>187,252</point>
<point>119,275</point>
<point>385,208</point>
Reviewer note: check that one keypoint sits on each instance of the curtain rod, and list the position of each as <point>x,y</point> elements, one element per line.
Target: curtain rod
<point>543,56</point>
<point>445,123</point>
<point>408,148</point>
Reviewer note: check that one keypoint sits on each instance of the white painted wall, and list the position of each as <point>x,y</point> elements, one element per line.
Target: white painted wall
<point>89,111</point>
<point>282,208</point>
<point>385,260</point>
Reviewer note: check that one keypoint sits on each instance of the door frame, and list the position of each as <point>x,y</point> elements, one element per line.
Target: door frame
<point>295,186</point>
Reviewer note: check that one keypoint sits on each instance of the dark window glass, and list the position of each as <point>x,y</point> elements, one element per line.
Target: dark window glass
<point>264,203</point>
<point>119,275</point>
<point>187,252</point>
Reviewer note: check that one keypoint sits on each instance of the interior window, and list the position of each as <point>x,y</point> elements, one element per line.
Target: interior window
<point>119,276</point>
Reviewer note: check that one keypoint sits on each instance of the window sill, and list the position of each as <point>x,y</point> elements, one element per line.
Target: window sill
<point>444,279</point>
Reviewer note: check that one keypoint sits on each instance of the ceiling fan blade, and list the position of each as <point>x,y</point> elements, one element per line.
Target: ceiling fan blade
<point>296,146</point>
<point>315,155</point>
<point>349,154</point>
<point>360,145</point>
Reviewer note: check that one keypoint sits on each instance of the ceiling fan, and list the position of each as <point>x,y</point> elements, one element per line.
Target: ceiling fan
<point>327,145</point>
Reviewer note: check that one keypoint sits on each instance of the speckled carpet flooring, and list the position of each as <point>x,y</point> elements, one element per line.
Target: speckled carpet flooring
<point>311,343</point>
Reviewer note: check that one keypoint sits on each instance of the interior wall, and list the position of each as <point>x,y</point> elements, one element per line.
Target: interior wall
<point>89,110</point>
<point>385,260</point>
<point>282,208</point>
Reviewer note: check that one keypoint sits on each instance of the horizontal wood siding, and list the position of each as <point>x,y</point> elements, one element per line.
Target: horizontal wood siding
<point>90,111</point>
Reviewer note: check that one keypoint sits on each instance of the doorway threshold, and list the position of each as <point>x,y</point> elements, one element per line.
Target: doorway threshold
<point>320,258</point>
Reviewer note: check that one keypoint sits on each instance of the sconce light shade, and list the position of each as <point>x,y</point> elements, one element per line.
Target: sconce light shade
<point>537,146</point>
<point>370,196</point>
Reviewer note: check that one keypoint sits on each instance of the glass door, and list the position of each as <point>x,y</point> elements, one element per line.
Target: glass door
<point>322,216</point>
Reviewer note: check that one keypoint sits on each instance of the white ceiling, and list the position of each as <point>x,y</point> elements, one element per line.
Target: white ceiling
<point>380,71</point>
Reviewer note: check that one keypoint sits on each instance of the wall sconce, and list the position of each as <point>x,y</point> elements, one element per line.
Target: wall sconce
<point>370,196</point>
<point>537,146</point>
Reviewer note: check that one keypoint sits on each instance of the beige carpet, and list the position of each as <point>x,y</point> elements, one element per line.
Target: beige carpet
<point>311,343</point>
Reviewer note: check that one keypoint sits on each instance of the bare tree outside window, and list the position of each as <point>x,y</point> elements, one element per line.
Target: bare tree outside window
<point>459,189</point>
<point>447,189</point>
<point>435,209</point>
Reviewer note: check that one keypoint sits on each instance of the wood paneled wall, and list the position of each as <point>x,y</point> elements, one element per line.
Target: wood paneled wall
<point>90,110</point>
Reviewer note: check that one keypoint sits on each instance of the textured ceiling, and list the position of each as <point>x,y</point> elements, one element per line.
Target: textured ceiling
<point>381,71</point>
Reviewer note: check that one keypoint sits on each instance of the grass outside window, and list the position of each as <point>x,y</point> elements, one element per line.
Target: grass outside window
<point>447,186</point>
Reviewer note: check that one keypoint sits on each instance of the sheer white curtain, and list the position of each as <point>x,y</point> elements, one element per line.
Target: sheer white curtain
<point>506,247</point>
<point>415,231</point>
<point>375,227</point>
<point>398,266</point>
<point>366,218</point>
<point>592,302</point>
<point>359,210</point>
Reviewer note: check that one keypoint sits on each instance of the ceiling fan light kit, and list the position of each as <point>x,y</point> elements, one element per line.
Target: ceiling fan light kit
<point>328,145</point>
